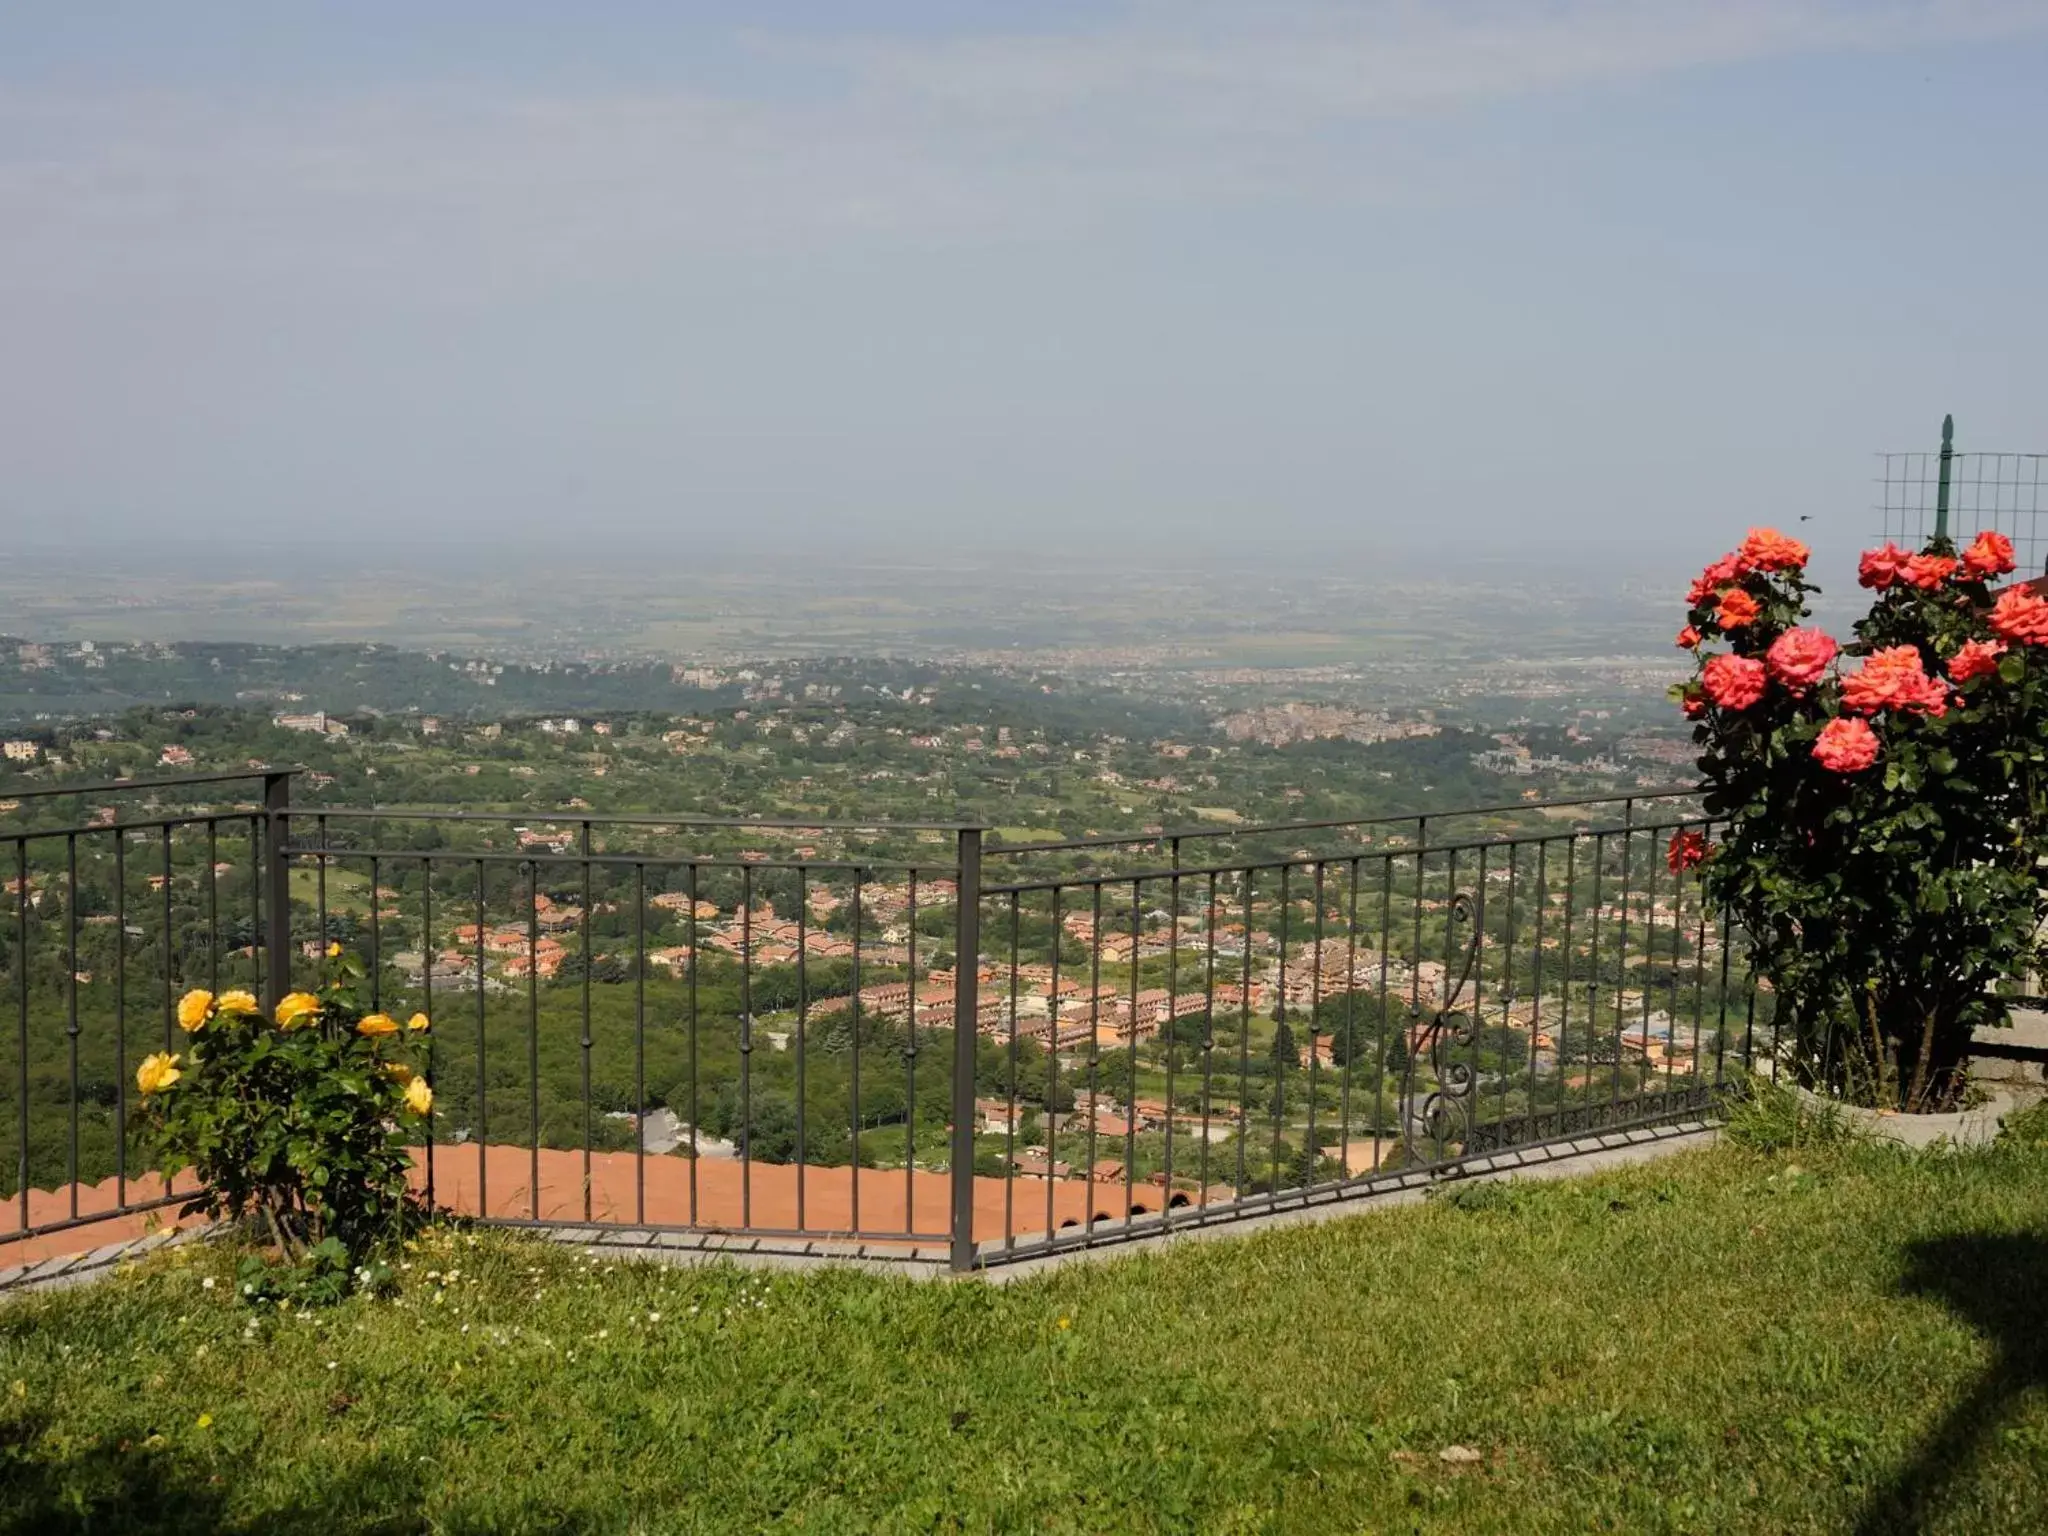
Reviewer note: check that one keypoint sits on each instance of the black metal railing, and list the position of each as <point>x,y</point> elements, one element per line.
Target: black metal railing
<point>1195,1040</point>
<point>812,1032</point>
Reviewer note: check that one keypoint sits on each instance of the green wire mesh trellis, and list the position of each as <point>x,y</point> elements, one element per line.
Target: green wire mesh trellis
<point>2004,491</point>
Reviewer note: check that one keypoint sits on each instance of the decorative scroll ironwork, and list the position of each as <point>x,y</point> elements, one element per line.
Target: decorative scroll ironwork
<point>1443,1116</point>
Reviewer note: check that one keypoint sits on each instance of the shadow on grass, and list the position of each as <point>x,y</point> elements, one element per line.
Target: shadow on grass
<point>123,1487</point>
<point>1996,1284</point>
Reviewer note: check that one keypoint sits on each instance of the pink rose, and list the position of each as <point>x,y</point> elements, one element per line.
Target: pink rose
<point>1734,682</point>
<point>1845,745</point>
<point>1799,657</point>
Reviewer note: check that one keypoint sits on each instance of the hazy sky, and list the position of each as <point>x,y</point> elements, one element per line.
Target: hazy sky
<point>1231,275</point>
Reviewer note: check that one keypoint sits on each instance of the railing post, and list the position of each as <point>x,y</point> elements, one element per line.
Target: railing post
<point>1948,452</point>
<point>277,888</point>
<point>966,1031</point>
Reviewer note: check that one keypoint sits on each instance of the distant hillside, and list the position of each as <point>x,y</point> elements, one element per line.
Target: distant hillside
<point>48,683</point>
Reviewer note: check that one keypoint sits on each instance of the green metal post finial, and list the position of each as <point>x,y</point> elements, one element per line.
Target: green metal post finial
<point>1948,452</point>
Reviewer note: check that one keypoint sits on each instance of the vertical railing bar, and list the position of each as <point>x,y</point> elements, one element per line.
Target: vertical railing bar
<point>803,937</point>
<point>427,1005</point>
<point>483,1187</point>
<point>376,935</point>
<point>1507,991</point>
<point>1244,1036</point>
<point>747,1052</point>
<point>121,1018</point>
<point>853,1074</point>
<point>1415,957</point>
<point>1593,984</point>
<point>1628,845</point>
<point>1315,1023</point>
<point>71,1001</point>
<point>533,1032</point>
<point>1052,1072</point>
<point>1450,963</point>
<point>1279,1024</point>
<point>1569,967</point>
<point>1350,1024</point>
<point>1170,1027</point>
<point>1094,1043</point>
<point>587,1041</point>
<point>911,1048</point>
<point>640,1041</point>
<point>1208,1029</point>
<point>1699,986</point>
<point>213,903</point>
<point>695,1101</point>
<point>966,1005</point>
<point>1536,982</point>
<point>1478,989</point>
<point>1131,1045</point>
<point>1677,961</point>
<point>1015,1095</point>
<point>21,968</point>
<point>1386,1009</point>
<point>320,881</point>
<point>259,937</point>
<point>275,879</point>
<point>853,1164</point>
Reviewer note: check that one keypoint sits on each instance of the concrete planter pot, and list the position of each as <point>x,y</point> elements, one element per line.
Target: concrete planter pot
<point>1973,1127</point>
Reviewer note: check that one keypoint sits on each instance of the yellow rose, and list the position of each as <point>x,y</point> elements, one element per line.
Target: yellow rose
<point>237,1001</point>
<point>377,1024</point>
<point>194,1009</point>
<point>417,1023</point>
<point>333,949</point>
<point>419,1098</point>
<point>398,1071</point>
<point>297,1008</point>
<point>157,1073</point>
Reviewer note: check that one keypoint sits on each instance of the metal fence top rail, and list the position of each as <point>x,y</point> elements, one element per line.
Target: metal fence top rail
<point>1409,818</point>
<point>939,863</point>
<point>1386,856</point>
<point>314,812</point>
<point>132,786</point>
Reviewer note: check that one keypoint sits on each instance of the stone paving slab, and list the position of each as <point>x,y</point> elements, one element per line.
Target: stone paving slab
<point>83,1268</point>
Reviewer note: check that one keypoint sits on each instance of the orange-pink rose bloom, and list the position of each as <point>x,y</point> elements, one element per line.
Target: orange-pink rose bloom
<point>1894,678</point>
<point>1688,638</point>
<point>1733,682</point>
<point>1799,657</point>
<point>1880,567</point>
<point>1927,571</point>
<point>2021,615</point>
<point>1736,609</point>
<point>1989,554</point>
<point>1845,745</point>
<point>1766,549</point>
<point>1976,659</point>
<point>1714,577</point>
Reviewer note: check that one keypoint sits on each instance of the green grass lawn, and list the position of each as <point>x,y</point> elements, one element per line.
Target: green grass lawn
<point>1731,1340</point>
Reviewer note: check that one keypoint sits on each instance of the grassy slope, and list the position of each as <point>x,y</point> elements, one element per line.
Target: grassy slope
<point>1730,1341</point>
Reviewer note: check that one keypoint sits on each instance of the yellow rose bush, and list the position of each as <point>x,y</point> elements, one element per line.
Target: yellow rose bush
<point>297,1119</point>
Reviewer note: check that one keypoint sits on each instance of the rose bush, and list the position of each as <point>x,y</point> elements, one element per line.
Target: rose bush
<point>1886,802</point>
<point>299,1119</point>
